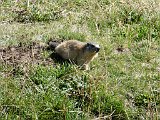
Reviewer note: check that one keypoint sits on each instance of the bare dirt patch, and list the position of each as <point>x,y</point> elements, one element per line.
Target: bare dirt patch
<point>25,54</point>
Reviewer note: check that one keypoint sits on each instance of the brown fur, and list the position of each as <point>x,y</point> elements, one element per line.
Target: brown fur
<point>76,52</point>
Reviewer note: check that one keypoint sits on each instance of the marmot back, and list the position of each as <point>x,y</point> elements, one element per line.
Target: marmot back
<point>77,52</point>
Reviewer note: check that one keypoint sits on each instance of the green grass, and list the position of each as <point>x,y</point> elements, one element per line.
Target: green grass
<point>122,85</point>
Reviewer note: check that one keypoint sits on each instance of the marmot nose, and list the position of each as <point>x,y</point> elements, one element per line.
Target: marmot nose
<point>97,49</point>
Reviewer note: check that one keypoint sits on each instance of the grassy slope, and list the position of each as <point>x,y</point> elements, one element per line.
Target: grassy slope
<point>120,85</point>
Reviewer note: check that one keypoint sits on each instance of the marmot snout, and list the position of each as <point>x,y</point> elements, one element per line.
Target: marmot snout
<point>77,52</point>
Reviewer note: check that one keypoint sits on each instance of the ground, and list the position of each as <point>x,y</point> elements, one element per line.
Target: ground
<point>123,82</point>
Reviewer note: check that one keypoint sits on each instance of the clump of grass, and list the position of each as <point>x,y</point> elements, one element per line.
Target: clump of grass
<point>35,13</point>
<point>66,35</point>
<point>40,74</point>
<point>108,107</point>
<point>78,90</point>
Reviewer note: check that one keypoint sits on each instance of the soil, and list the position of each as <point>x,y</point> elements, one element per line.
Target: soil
<point>25,54</point>
<point>20,59</point>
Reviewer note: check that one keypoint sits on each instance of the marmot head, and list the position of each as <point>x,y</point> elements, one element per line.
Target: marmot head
<point>92,48</point>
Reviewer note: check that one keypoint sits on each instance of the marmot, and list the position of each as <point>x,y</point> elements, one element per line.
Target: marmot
<point>79,53</point>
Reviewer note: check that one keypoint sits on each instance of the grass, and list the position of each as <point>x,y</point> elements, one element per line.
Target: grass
<point>124,80</point>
